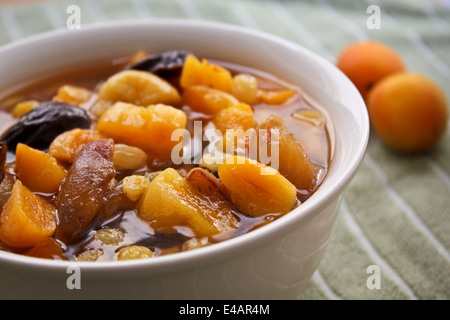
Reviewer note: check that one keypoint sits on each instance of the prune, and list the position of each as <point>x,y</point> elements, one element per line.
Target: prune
<point>44,123</point>
<point>165,64</point>
<point>81,194</point>
<point>3,149</point>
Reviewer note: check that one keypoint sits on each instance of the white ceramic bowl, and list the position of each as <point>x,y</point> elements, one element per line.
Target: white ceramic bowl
<point>273,262</point>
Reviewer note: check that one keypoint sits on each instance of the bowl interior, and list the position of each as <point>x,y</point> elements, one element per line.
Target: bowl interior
<point>317,77</point>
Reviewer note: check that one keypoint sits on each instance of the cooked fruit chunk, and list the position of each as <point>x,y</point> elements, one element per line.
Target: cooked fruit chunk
<point>256,189</point>
<point>6,187</point>
<point>24,107</point>
<point>81,194</point>
<point>239,116</point>
<point>39,127</point>
<point>38,170</point>
<point>138,87</point>
<point>207,100</point>
<point>66,146</point>
<point>170,200</point>
<point>147,128</point>
<point>275,96</point>
<point>196,72</point>
<point>294,162</point>
<point>73,95</point>
<point>47,249</point>
<point>26,219</point>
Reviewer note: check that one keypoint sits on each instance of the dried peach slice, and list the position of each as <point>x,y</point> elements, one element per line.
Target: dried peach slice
<point>239,116</point>
<point>256,189</point>
<point>203,72</point>
<point>138,87</point>
<point>170,200</point>
<point>148,128</point>
<point>26,219</point>
<point>294,162</point>
<point>207,100</point>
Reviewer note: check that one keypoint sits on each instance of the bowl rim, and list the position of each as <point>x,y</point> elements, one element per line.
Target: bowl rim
<point>233,246</point>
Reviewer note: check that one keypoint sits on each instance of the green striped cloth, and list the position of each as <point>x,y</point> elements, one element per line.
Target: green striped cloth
<point>395,217</point>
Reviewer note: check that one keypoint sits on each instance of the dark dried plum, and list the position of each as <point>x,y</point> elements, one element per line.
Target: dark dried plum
<point>164,64</point>
<point>44,123</point>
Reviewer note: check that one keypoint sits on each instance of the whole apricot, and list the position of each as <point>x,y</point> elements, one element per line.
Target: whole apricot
<point>408,112</point>
<point>367,62</point>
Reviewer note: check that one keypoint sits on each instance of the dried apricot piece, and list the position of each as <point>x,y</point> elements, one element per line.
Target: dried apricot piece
<point>203,72</point>
<point>66,146</point>
<point>24,107</point>
<point>138,87</point>
<point>47,249</point>
<point>147,128</point>
<point>26,219</point>
<point>170,200</point>
<point>239,116</point>
<point>38,170</point>
<point>275,96</point>
<point>256,189</point>
<point>73,95</point>
<point>207,100</point>
<point>293,162</point>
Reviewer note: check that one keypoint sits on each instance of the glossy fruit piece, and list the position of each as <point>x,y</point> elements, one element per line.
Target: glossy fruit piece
<point>239,116</point>
<point>138,87</point>
<point>23,108</point>
<point>66,146</point>
<point>49,248</point>
<point>73,95</point>
<point>39,127</point>
<point>207,100</point>
<point>26,219</point>
<point>275,97</point>
<point>202,72</point>
<point>38,170</point>
<point>367,62</point>
<point>170,200</point>
<point>256,189</point>
<point>147,128</point>
<point>293,161</point>
<point>82,193</point>
<point>408,112</point>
